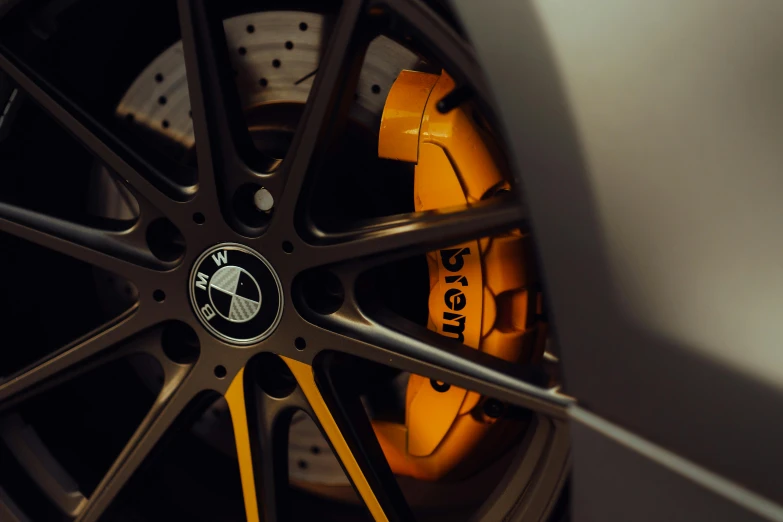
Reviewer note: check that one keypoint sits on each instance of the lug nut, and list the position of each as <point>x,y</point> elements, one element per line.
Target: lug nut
<point>263,200</point>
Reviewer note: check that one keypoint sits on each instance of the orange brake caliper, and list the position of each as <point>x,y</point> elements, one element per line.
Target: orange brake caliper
<point>481,292</point>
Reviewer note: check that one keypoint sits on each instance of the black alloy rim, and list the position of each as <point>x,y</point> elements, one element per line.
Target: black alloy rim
<point>204,214</point>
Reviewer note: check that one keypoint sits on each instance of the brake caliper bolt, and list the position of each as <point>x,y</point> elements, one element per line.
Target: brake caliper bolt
<point>439,386</point>
<point>493,408</point>
<point>263,200</point>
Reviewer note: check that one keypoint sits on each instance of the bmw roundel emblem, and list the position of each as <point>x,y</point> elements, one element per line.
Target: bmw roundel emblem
<point>236,293</point>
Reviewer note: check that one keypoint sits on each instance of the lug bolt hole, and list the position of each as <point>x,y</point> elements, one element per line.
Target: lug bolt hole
<point>322,291</point>
<point>246,206</point>
<point>300,343</point>
<point>165,240</point>
<point>180,343</point>
<point>273,375</point>
<point>220,371</point>
<point>199,218</point>
<point>288,247</point>
<point>159,295</point>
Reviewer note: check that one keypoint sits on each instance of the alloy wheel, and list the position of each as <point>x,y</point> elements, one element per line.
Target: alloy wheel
<point>191,220</point>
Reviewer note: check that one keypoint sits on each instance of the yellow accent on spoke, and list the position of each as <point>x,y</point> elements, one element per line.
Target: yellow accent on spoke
<point>235,396</point>
<point>304,376</point>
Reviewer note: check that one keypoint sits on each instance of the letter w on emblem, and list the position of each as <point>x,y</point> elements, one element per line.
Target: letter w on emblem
<point>220,257</point>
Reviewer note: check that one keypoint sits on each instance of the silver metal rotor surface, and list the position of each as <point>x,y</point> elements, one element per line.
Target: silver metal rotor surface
<point>275,55</point>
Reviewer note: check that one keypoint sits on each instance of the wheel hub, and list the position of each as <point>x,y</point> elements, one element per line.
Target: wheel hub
<point>236,293</point>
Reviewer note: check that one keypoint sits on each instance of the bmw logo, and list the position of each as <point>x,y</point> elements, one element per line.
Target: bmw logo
<point>236,294</point>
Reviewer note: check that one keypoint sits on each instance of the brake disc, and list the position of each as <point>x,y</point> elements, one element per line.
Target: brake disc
<point>275,60</point>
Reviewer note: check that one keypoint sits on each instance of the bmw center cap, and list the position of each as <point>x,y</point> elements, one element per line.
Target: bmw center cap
<point>236,294</point>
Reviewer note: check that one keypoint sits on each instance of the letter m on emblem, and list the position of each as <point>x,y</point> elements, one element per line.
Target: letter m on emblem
<point>202,281</point>
<point>220,257</point>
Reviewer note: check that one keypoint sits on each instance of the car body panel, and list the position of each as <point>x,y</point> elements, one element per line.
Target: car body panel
<point>647,138</point>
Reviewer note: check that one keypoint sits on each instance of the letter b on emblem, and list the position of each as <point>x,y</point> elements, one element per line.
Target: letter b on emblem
<point>208,312</point>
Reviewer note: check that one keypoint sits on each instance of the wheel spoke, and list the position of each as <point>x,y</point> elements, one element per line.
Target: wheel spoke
<point>326,111</point>
<point>74,359</point>
<point>178,395</point>
<point>235,397</point>
<point>261,425</point>
<point>362,473</point>
<point>273,422</point>
<point>337,387</point>
<point>247,451</point>
<point>34,457</point>
<point>130,168</point>
<point>447,47</point>
<point>416,233</point>
<point>223,144</point>
<point>393,341</point>
<point>113,251</point>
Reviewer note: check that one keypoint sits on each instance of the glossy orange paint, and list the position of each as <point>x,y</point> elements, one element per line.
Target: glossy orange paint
<point>480,291</point>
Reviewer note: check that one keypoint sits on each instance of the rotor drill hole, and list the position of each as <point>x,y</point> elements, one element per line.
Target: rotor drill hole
<point>303,26</point>
<point>162,100</point>
<point>251,28</point>
<point>242,51</point>
<point>159,78</point>
<point>289,45</point>
<point>276,63</point>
